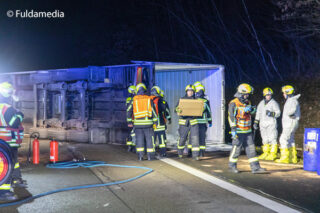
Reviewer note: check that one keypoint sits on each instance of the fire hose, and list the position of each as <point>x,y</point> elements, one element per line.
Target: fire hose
<point>85,164</point>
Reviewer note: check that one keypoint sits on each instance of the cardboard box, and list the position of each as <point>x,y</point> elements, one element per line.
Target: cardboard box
<point>190,107</point>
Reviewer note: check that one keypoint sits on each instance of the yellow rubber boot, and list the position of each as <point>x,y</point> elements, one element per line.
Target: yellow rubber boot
<point>266,150</point>
<point>284,158</point>
<point>293,155</point>
<point>273,152</point>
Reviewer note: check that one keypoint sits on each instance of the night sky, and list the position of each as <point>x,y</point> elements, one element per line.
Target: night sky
<point>115,32</point>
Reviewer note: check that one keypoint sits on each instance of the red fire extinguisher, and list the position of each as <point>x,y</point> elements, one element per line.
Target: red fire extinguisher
<point>35,148</point>
<point>54,152</point>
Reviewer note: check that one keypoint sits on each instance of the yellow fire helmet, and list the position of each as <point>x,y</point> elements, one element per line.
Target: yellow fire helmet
<point>197,83</point>
<point>245,89</point>
<point>288,89</point>
<point>6,89</point>
<point>162,93</point>
<point>190,87</point>
<point>200,87</point>
<point>267,91</point>
<point>141,85</point>
<point>132,89</point>
<point>157,89</point>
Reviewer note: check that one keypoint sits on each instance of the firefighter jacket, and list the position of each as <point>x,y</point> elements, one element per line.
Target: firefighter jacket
<point>238,118</point>
<point>167,111</point>
<point>206,115</point>
<point>141,112</point>
<point>160,108</point>
<point>11,130</point>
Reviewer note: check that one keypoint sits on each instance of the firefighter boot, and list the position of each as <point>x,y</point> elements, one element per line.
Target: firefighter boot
<point>256,169</point>
<point>233,168</point>
<point>19,183</point>
<point>266,150</point>
<point>201,153</point>
<point>151,156</point>
<point>273,152</point>
<point>293,155</point>
<point>133,149</point>
<point>140,156</point>
<point>7,195</point>
<point>284,157</point>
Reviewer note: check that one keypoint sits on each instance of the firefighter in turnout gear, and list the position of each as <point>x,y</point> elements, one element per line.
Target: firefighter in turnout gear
<point>204,120</point>
<point>160,130</point>
<point>290,120</point>
<point>143,117</point>
<point>266,118</point>
<point>240,111</point>
<point>11,131</point>
<point>167,112</point>
<point>188,126</point>
<point>131,138</point>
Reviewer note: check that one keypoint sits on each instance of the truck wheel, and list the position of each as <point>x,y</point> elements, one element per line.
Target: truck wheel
<point>6,164</point>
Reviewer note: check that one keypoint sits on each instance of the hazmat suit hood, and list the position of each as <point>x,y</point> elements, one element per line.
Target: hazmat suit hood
<point>296,96</point>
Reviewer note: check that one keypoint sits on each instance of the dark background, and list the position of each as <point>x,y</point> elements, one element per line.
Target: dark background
<point>258,41</point>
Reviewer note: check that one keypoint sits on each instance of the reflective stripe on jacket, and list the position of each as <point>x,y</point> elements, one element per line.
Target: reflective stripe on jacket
<point>238,117</point>
<point>11,129</point>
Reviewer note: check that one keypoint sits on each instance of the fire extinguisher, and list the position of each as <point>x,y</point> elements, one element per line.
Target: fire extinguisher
<point>54,151</point>
<point>34,135</point>
<point>35,149</point>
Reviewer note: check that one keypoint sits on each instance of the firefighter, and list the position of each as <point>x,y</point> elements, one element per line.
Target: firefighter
<point>131,138</point>
<point>160,130</point>
<point>204,120</point>
<point>290,120</point>
<point>240,111</point>
<point>266,118</point>
<point>188,126</point>
<point>12,133</point>
<point>144,118</point>
<point>167,112</point>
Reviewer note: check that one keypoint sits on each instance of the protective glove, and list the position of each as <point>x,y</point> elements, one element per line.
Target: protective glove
<point>248,109</point>
<point>234,135</point>
<point>270,114</point>
<point>256,126</point>
<point>178,110</point>
<point>169,121</point>
<point>210,125</point>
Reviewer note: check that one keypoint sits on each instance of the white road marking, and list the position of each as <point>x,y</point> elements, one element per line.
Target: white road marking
<point>268,203</point>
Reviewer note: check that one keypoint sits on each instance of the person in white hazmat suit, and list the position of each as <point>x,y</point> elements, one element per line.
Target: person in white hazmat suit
<point>266,118</point>
<point>290,119</point>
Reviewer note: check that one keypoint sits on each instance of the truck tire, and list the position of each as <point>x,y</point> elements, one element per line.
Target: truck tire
<point>6,164</point>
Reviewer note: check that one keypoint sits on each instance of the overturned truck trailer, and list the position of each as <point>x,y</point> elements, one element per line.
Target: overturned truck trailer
<point>88,104</point>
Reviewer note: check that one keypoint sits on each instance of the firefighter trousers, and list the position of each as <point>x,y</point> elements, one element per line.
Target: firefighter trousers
<point>145,138</point>
<point>193,138</point>
<point>162,138</point>
<point>244,140</point>
<point>131,140</point>
<point>202,136</point>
